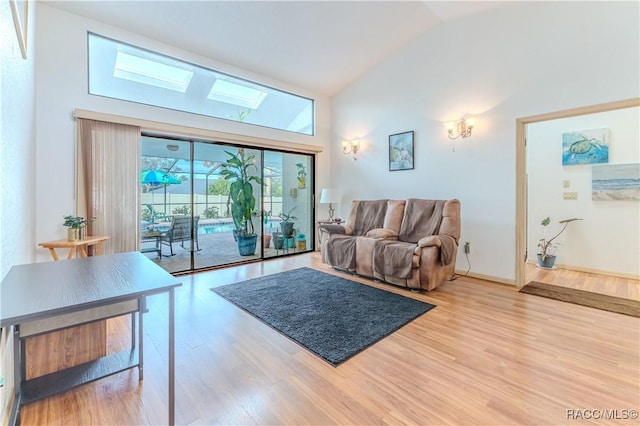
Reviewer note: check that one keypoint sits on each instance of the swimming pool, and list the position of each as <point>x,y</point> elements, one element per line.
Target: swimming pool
<point>215,228</point>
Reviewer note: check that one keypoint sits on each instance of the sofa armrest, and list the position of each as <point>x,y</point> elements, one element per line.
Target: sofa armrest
<point>336,229</point>
<point>448,246</point>
<point>430,241</point>
<point>382,234</point>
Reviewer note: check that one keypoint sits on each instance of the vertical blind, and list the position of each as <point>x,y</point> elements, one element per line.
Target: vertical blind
<point>107,181</point>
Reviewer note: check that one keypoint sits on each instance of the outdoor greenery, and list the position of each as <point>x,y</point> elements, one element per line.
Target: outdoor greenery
<point>219,187</point>
<point>211,213</point>
<point>146,215</point>
<point>77,222</point>
<point>159,163</point>
<point>184,210</point>
<point>276,187</point>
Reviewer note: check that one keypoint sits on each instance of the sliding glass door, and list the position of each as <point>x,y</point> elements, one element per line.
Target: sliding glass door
<point>269,213</point>
<point>287,203</point>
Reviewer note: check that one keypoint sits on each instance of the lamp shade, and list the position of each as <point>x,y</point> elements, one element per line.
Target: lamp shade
<point>330,195</point>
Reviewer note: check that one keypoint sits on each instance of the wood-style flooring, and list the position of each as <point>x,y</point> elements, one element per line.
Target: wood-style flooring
<point>612,286</point>
<point>486,355</point>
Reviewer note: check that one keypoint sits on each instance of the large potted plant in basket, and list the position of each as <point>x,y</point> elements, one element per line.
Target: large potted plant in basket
<point>241,199</point>
<point>546,256</point>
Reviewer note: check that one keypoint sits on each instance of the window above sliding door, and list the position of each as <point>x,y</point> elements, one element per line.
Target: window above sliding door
<point>122,71</point>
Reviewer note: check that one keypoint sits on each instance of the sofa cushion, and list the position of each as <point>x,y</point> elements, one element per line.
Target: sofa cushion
<point>369,215</point>
<point>395,259</point>
<point>421,219</point>
<point>394,214</point>
<point>341,251</point>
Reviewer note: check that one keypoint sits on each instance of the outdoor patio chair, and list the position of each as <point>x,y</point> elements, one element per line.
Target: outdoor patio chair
<point>156,215</point>
<point>180,231</point>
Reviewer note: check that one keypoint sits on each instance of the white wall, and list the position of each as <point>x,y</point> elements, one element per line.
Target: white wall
<point>520,60</point>
<point>608,239</point>
<point>61,77</point>
<point>17,157</point>
<point>17,150</point>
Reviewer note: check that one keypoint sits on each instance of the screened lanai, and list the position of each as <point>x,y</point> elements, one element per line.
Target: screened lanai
<point>193,186</point>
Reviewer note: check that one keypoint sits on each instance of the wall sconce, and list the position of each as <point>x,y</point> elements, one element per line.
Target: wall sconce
<point>173,148</point>
<point>351,147</point>
<point>461,128</point>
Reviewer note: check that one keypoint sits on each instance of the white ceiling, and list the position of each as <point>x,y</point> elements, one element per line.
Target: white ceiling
<point>318,45</point>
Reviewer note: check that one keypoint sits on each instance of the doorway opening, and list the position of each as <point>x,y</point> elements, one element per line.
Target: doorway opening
<point>565,181</point>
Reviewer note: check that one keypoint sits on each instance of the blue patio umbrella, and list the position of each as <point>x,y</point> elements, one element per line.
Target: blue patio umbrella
<point>156,177</point>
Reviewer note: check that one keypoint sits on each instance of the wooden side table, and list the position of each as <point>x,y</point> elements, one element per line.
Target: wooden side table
<point>79,246</point>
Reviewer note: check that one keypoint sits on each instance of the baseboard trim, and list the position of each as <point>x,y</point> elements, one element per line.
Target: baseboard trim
<point>486,277</point>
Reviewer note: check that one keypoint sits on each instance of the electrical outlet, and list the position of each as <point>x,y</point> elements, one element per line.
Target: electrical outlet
<point>467,247</point>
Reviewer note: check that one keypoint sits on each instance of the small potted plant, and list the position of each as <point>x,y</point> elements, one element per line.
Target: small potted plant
<point>76,224</point>
<point>546,256</point>
<point>287,223</point>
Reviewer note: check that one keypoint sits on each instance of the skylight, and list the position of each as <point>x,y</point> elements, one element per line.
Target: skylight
<point>145,71</point>
<point>129,73</point>
<point>236,94</point>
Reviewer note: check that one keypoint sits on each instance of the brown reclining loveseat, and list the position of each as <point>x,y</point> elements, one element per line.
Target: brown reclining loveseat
<point>411,243</point>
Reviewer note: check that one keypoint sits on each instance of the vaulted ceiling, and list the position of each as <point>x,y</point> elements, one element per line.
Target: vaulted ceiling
<point>317,45</point>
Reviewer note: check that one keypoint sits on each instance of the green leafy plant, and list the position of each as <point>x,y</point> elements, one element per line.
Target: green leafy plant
<point>288,217</point>
<point>212,212</point>
<point>77,222</point>
<point>146,215</point>
<point>546,245</point>
<point>242,115</point>
<point>185,210</point>
<point>243,202</point>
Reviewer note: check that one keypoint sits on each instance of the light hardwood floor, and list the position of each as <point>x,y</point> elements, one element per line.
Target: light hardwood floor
<point>487,355</point>
<point>612,286</point>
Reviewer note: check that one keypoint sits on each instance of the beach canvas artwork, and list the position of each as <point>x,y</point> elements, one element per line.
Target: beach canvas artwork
<point>585,147</point>
<point>615,182</point>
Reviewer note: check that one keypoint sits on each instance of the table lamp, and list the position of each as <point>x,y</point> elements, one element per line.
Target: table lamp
<point>330,196</point>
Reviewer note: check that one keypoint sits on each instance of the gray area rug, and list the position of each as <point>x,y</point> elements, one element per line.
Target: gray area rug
<point>333,317</point>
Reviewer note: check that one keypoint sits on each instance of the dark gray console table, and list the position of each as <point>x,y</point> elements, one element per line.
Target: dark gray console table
<point>42,297</point>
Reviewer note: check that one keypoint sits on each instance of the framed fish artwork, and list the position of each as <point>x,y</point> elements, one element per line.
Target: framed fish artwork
<point>585,147</point>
